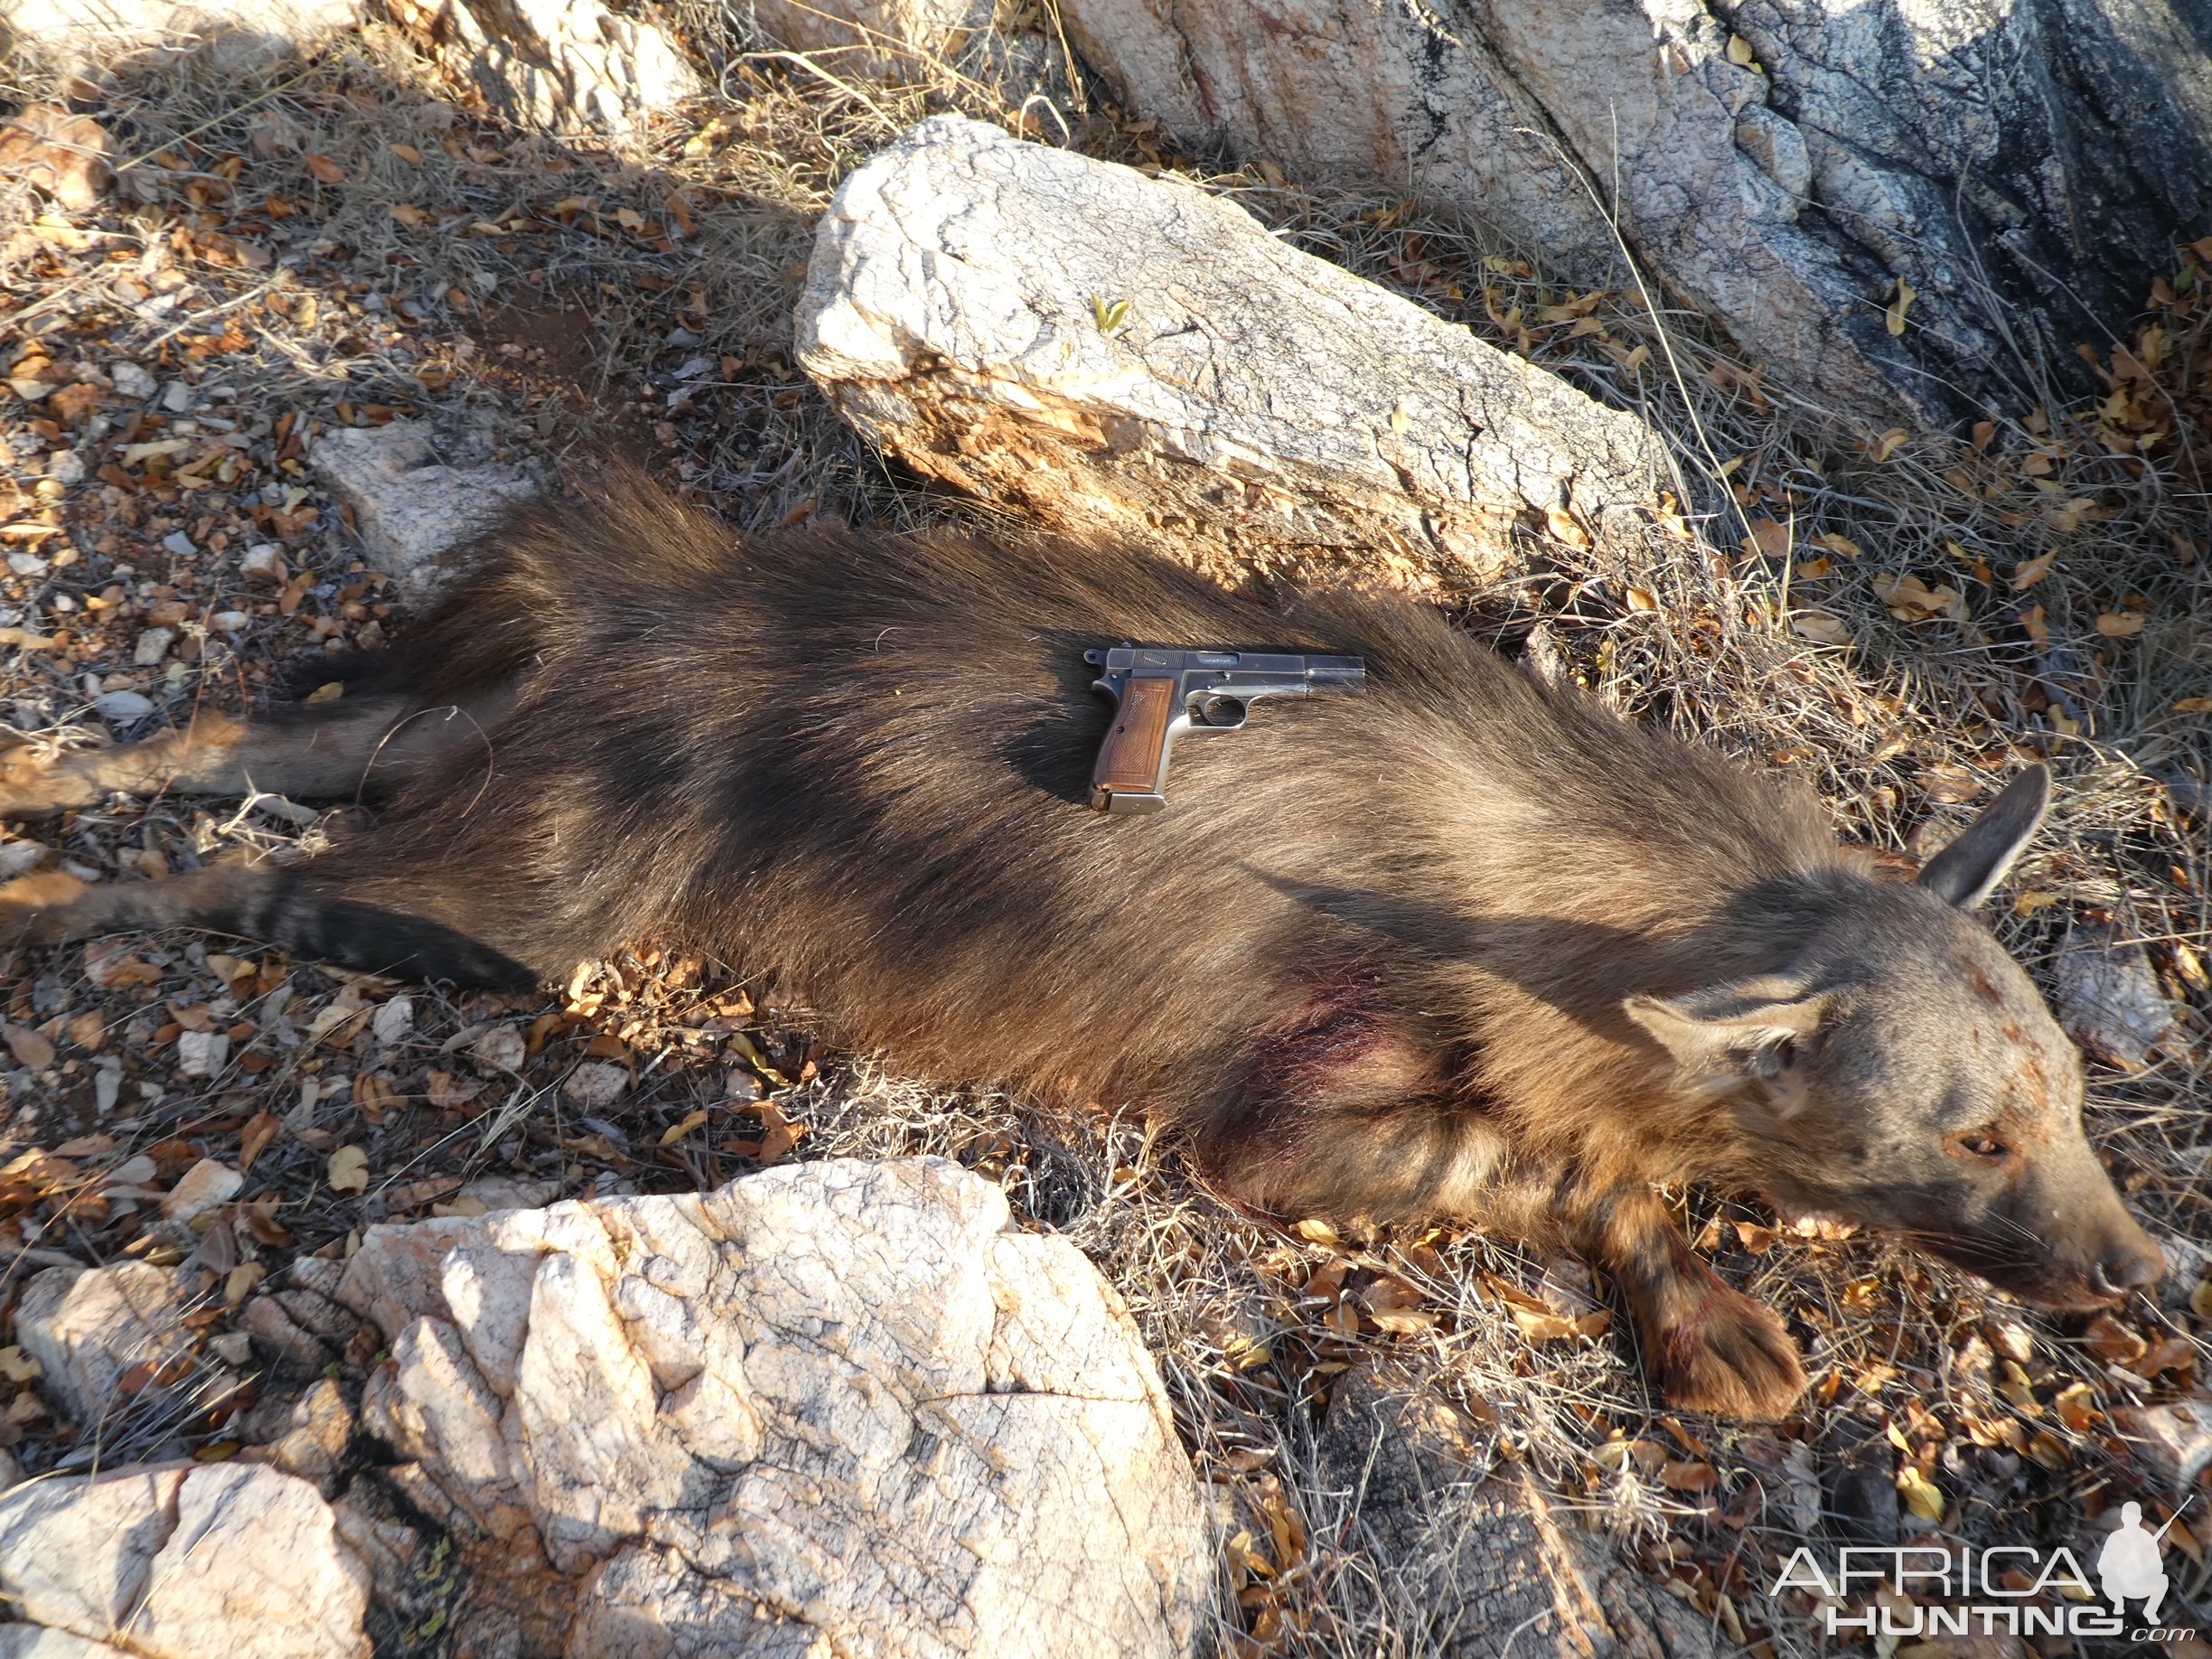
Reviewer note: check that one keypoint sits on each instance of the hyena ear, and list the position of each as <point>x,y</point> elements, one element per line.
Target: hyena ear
<point>1965,872</point>
<point>1750,1029</point>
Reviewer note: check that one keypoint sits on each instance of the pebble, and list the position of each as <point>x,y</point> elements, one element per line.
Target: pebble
<point>180,543</point>
<point>201,1054</point>
<point>132,382</point>
<point>176,397</point>
<point>152,646</point>
<point>262,562</point>
<point>121,708</point>
<point>26,563</point>
<point>67,468</point>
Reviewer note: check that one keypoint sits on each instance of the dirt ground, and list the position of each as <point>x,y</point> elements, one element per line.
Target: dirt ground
<point>1901,617</point>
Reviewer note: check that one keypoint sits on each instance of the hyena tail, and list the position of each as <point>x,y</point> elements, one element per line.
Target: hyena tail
<point>292,908</point>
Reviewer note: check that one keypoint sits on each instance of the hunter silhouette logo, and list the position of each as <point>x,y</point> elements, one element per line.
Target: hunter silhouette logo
<point>2129,1565</point>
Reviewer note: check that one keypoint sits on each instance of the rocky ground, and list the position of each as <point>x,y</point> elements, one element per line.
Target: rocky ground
<point>207,270</point>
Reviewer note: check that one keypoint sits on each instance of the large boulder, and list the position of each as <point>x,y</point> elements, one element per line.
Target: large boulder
<point>1784,165</point>
<point>1129,355</point>
<point>841,1407</point>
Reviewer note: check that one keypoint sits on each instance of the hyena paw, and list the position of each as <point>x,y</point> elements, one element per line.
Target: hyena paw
<point>1733,1359</point>
<point>30,907</point>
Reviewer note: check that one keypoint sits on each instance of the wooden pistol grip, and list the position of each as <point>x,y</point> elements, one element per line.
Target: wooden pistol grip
<point>1128,761</point>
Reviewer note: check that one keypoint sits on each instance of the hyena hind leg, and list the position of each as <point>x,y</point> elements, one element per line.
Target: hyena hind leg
<point>366,747</point>
<point>290,907</point>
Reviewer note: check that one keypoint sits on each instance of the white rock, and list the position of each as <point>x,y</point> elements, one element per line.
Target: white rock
<point>176,397</point>
<point>393,1020</point>
<point>849,1395</point>
<point>121,708</point>
<point>199,1189</point>
<point>152,646</point>
<point>234,34</point>
<point>408,508</point>
<point>230,622</point>
<point>27,564</point>
<point>37,1642</point>
<point>262,562</point>
<point>954,312</point>
<point>86,1326</point>
<point>557,64</point>
<point>502,1049</point>
<point>132,382</point>
<point>595,1084</point>
<point>201,1054</point>
<point>208,1561</point>
<point>67,467</point>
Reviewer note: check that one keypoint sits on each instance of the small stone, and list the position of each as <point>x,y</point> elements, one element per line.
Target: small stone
<point>2171,1441</point>
<point>205,1185</point>
<point>262,562</point>
<point>176,397</point>
<point>67,468</point>
<point>393,1020</point>
<point>230,622</point>
<point>180,543</point>
<point>152,646</point>
<point>122,707</point>
<point>132,382</point>
<point>26,563</point>
<point>595,1084</point>
<point>501,1049</point>
<point>203,1054</point>
<point>231,1347</point>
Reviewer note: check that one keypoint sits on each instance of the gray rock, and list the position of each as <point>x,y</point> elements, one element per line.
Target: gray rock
<point>86,1326</point>
<point>2109,996</point>
<point>409,507</point>
<point>1120,355</point>
<point>2172,1442</point>
<point>1782,165</point>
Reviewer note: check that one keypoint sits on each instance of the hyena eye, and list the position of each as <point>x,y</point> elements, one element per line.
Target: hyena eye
<point>1980,1144</point>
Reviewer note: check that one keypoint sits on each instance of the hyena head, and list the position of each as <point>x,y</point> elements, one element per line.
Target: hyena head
<point>1899,1069</point>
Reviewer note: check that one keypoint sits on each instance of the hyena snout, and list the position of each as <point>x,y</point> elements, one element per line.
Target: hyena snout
<point>2063,1239</point>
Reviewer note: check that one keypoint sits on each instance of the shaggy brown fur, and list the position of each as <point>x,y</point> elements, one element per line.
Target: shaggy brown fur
<point>1462,943</point>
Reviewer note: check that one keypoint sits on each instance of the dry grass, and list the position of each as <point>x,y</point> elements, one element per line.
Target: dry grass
<point>561,297</point>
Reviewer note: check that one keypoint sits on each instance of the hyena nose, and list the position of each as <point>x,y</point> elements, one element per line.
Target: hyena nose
<point>2127,1269</point>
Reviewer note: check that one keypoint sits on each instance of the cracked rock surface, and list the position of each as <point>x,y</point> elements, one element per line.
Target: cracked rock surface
<point>842,1408</point>
<point>414,498</point>
<point>181,1561</point>
<point>1781,164</point>
<point>1131,355</point>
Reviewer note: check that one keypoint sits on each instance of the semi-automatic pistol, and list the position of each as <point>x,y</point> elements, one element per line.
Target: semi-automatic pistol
<point>1159,695</point>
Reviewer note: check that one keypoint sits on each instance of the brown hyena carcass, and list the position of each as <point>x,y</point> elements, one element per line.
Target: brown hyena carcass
<point>1464,944</point>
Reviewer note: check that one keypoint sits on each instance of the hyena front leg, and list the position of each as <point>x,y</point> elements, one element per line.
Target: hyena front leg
<point>304,909</point>
<point>1709,1348</point>
<point>369,746</point>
